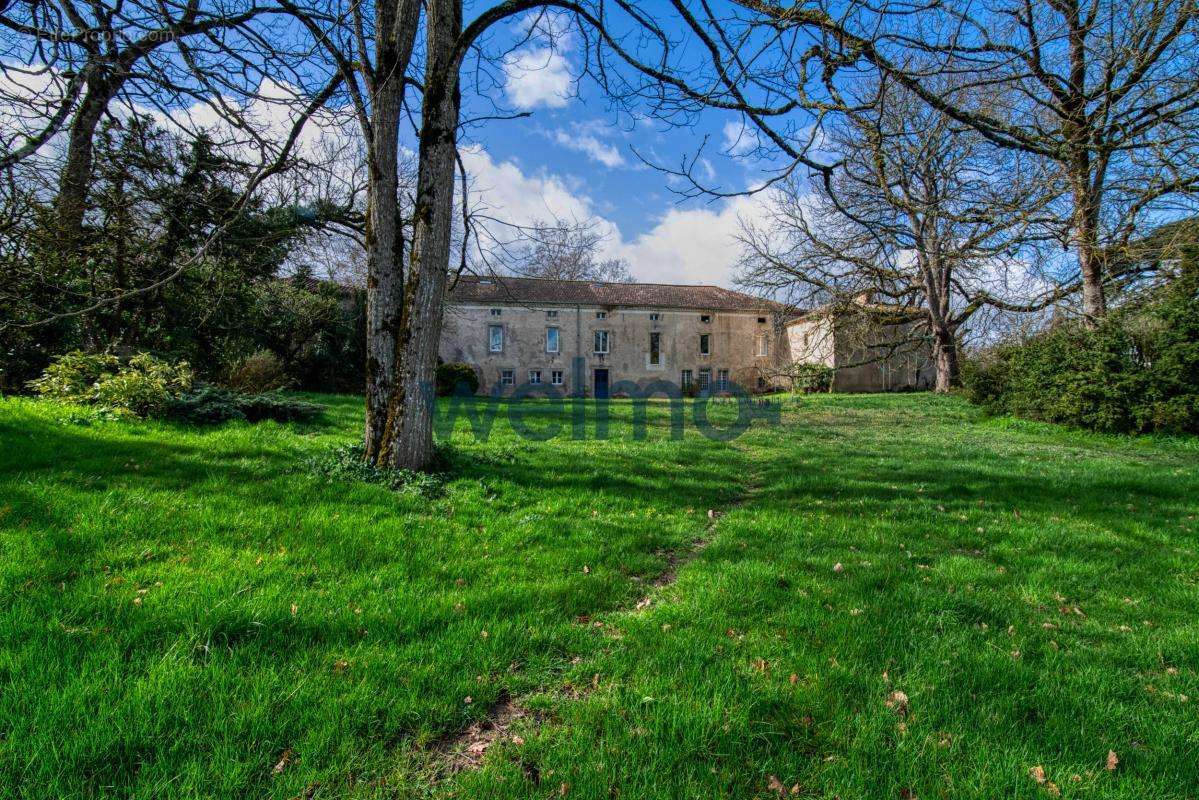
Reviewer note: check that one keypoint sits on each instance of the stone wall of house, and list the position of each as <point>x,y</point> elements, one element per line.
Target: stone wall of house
<point>864,358</point>
<point>734,345</point>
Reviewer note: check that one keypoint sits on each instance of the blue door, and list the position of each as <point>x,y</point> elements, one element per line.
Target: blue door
<point>601,384</point>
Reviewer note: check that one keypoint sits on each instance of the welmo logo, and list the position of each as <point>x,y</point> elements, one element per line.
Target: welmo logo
<point>557,411</point>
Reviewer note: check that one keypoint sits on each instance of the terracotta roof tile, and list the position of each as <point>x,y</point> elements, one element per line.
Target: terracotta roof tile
<point>472,289</point>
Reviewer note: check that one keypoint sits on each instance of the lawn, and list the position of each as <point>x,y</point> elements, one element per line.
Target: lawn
<point>878,597</point>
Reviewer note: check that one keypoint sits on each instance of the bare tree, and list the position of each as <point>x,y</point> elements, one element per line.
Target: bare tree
<point>564,251</point>
<point>1106,91</point>
<point>920,212</point>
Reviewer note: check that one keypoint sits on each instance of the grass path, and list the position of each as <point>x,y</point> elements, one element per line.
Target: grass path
<point>190,613</point>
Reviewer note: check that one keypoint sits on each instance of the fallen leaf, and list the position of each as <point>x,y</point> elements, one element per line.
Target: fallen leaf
<point>1113,761</point>
<point>284,760</point>
<point>838,568</point>
<point>1037,773</point>
<point>776,786</point>
<point>586,570</point>
<point>898,701</point>
<point>794,679</point>
<point>294,609</point>
<point>341,665</point>
<point>564,789</point>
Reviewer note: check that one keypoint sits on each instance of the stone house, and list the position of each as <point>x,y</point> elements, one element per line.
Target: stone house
<point>580,335</point>
<point>599,339</point>
<point>869,347</point>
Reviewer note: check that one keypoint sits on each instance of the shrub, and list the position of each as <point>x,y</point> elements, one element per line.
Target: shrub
<point>1138,371</point>
<point>811,377</point>
<point>143,386</point>
<point>348,464</point>
<point>212,404</point>
<point>454,374</point>
<point>260,372</point>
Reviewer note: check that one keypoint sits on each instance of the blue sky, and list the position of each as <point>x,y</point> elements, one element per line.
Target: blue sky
<point>575,156</point>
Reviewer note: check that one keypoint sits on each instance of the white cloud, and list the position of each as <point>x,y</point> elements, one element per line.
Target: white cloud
<point>738,139</point>
<point>537,77</point>
<point>599,151</point>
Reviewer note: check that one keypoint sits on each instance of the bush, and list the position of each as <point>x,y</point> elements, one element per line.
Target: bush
<point>348,464</point>
<point>811,377</point>
<point>260,372</point>
<point>451,376</point>
<point>1137,372</point>
<point>213,404</point>
<point>143,386</point>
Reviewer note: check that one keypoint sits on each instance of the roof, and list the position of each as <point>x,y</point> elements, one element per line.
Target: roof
<point>483,290</point>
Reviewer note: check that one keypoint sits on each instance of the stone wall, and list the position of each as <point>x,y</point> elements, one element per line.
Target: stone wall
<point>733,344</point>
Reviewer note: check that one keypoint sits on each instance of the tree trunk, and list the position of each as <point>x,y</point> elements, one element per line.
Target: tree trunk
<point>1090,264</point>
<point>76,174</point>
<point>408,437</point>
<point>384,229</point>
<point>945,349</point>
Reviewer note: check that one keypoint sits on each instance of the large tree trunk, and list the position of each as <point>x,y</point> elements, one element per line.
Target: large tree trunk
<point>945,353</point>
<point>76,174</point>
<point>384,228</point>
<point>408,438</point>
<point>1086,241</point>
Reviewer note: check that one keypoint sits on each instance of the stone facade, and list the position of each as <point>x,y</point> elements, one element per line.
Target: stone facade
<point>599,339</point>
<point>864,357</point>
<point>518,339</point>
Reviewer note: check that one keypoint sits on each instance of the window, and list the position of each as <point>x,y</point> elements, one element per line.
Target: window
<point>763,343</point>
<point>551,314</point>
<point>655,348</point>
<point>556,377</point>
<point>686,379</point>
<point>535,376</point>
<point>551,340</point>
<point>722,380</point>
<point>506,377</point>
<point>495,312</point>
<point>761,320</point>
<point>655,317</point>
<point>601,315</point>
<point>705,344</point>
<point>761,382</point>
<point>601,341</point>
<point>705,317</point>
<point>495,336</point>
<point>705,379</point>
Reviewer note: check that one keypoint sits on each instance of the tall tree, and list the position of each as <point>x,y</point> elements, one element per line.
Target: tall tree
<point>564,251</point>
<point>920,212</point>
<point>1106,91</point>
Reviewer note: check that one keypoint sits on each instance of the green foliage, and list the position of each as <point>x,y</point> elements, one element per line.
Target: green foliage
<point>811,377</point>
<point>348,464</point>
<point>454,374</point>
<point>259,372</point>
<point>1137,372</point>
<point>160,207</point>
<point>212,404</point>
<point>144,386</point>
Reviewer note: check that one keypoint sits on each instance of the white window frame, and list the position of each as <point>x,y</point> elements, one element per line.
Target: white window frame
<point>601,315</point>
<point>595,341</point>
<point>551,313</point>
<point>705,379</point>
<point>687,379</point>
<point>491,338</point>
<point>722,380</point>
<point>556,377</point>
<point>705,344</point>
<point>763,348</point>
<point>535,377</point>
<point>507,377</point>
<point>557,339</point>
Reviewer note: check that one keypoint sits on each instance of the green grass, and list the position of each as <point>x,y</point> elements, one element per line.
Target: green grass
<point>182,607</point>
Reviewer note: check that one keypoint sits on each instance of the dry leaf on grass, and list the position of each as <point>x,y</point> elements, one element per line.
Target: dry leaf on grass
<point>1113,761</point>
<point>284,760</point>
